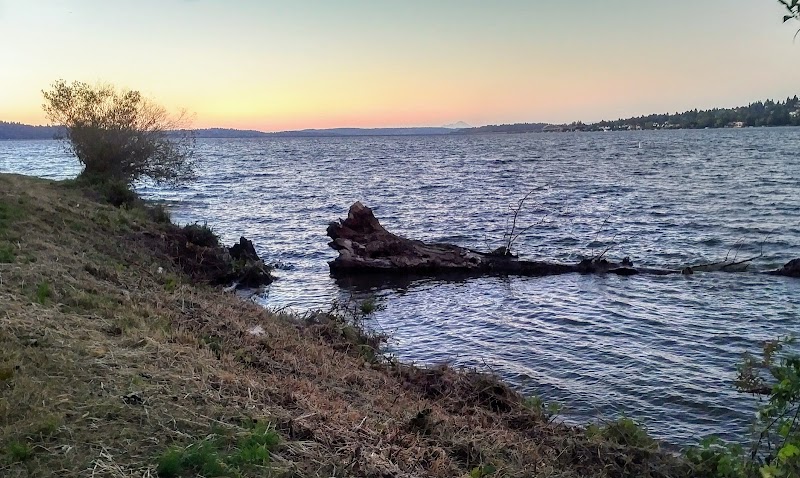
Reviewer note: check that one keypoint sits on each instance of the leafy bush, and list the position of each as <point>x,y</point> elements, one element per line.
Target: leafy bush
<point>623,431</point>
<point>344,326</point>
<point>716,459</point>
<point>775,448</point>
<point>158,213</point>
<point>120,136</point>
<point>201,235</point>
<point>547,410</point>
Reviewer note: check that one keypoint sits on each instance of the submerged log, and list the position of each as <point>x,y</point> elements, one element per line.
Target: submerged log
<point>365,246</point>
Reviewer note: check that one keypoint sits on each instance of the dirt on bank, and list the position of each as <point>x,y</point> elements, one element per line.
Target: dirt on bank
<point>114,362</point>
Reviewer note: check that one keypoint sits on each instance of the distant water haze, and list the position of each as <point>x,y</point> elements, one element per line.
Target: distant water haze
<point>659,349</point>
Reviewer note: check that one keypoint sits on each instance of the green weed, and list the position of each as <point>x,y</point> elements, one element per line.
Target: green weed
<point>219,457</point>
<point>170,283</point>
<point>623,431</point>
<point>482,471</point>
<point>7,255</point>
<point>715,459</point>
<point>254,448</point>
<point>43,292</point>
<point>19,451</point>
<point>547,410</point>
<point>8,214</point>
<point>201,458</point>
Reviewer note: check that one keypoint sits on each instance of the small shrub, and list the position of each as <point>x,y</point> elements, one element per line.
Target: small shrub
<point>19,451</point>
<point>170,464</point>
<point>119,194</point>
<point>159,214</point>
<point>200,458</point>
<point>776,442</point>
<point>623,431</point>
<point>547,410</point>
<point>369,306</point>
<point>201,235</point>
<point>170,283</point>
<point>715,459</point>
<point>6,373</point>
<point>344,325</point>
<point>120,135</point>
<point>255,447</point>
<point>46,426</point>
<point>7,255</point>
<point>483,470</point>
<point>43,292</point>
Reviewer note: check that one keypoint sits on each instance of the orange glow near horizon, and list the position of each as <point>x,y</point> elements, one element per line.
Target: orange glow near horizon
<point>272,66</point>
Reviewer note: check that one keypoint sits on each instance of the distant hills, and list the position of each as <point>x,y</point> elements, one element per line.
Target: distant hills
<point>22,131</point>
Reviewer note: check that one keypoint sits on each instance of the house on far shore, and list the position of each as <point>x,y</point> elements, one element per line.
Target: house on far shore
<point>736,124</point>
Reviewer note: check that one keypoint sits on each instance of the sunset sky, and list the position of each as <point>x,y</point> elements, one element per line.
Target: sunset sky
<point>278,65</point>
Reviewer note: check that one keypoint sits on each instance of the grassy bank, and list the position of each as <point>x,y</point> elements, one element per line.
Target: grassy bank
<point>115,362</point>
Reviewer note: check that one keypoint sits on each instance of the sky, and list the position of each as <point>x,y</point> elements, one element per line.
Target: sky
<point>284,65</point>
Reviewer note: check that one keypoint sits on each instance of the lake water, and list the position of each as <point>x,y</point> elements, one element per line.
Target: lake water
<point>659,349</point>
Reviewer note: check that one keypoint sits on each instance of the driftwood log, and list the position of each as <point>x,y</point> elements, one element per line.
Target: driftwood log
<point>365,246</point>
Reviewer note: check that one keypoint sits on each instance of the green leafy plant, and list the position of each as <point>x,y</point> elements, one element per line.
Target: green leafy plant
<point>7,255</point>
<point>776,446</point>
<point>217,456</point>
<point>547,410</point>
<point>200,458</point>
<point>715,459</point>
<point>481,471</point>
<point>19,451</point>
<point>43,292</point>
<point>623,431</point>
<point>254,448</point>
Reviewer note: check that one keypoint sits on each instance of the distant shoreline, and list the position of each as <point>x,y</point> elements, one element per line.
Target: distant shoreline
<point>46,133</point>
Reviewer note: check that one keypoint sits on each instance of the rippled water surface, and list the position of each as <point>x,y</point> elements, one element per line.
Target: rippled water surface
<point>661,349</point>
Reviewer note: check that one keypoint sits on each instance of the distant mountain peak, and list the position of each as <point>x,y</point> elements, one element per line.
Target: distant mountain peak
<point>458,125</point>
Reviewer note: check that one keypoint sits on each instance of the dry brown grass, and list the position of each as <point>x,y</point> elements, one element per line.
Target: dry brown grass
<point>112,362</point>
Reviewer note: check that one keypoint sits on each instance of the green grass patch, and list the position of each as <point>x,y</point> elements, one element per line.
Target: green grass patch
<point>220,455</point>
<point>19,451</point>
<point>170,283</point>
<point>7,255</point>
<point>43,292</point>
<point>8,215</point>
